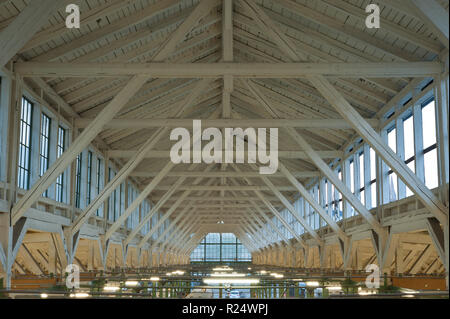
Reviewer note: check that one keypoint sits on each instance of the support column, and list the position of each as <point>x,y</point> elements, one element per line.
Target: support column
<point>90,259</point>
<point>104,249</point>
<point>399,258</point>
<point>61,249</point>
<point>305,257</point>
<point>322,255</point>
<point>71,244</point>
<point>124,255</point>
<point>441,94</point>
<point>11,238</point>
<point>346,251</point>
<point>439,235</point>
<point>52,257</point>
<point>383,249</point>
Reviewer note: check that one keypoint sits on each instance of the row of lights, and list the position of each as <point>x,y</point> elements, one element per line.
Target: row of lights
<point>114,288</point>
<point>75,295</point>
<point>226,275</point>
<point>231,280</point>
<point>176,272</point>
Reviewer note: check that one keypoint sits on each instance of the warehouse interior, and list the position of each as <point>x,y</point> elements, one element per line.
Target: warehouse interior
<point>360,115</point>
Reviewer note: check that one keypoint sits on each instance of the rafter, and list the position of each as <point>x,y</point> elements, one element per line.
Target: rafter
<point>221,123</point>
<point>22,29</point>
<point>239,70</point>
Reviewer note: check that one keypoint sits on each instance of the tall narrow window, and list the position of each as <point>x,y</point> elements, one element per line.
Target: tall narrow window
<point>24,161</point>
<point>112,207</point>
<point>89,178</point>
<point>98,182</point>
<point>1,137</point>
<point>373,177</point>
<point>429,144</point>
<point>361,185</point>
<point>121,191</point>
<point>392,177</point>
<point>44,150</point>
<point>78,182</point>
<point>408,128</point>
<point>59,151</point>
<point>340,208</point>
<point>352,176</point>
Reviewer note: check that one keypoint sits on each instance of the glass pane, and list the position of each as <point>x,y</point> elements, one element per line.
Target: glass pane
<point>408,127</point>
<point>373,165</point>
<point>213,238</point>
<point>429,125</point>
<point>361,171</point>
<point>352,179</point>
<point>392,187</point>
<point>431,171</point>
<point>373,191</point>
<point>412,167</point>
<point>392,140</point>
<point>228,238</point>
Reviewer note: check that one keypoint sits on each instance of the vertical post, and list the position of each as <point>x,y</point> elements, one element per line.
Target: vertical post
<point>322,201</point>
<point>35,140</point>
<point>346,181</point>
<point>14,114</point>
<point>126,195</point>
<point>106,203</point>
<point>400,147</point>
<point>367,186</point>
<point>418,141</point>
<point>356,177</point>
<point>51,256</point>
<point>72,187</point>
<point>441,94</point>
<point>382,180</point>
<point>7,251</point>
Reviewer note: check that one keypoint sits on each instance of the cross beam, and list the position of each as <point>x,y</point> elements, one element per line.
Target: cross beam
<point>238,70</point>
<point>23,28</point>
<point>166,154</point>
<point>224,123</point>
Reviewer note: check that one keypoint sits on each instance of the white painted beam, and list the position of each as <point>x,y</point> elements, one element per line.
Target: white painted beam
<point>227,55</point>
<point>23,28</point>
<point>297,174</point>
<point>142,196</point>
<point>270,223</point>
<point>224,123</point>
<point>238,70</point>
<point>155,209</point>
<point>280,217</point>
<point>292,210</point>
<point>307,196</point>
<point>168,213</point>
<point>166,154</point>
<point>185,213</point>
<point>434,16</point>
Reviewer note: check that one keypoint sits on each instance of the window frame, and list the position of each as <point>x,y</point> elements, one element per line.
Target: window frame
<point>24,165</point>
